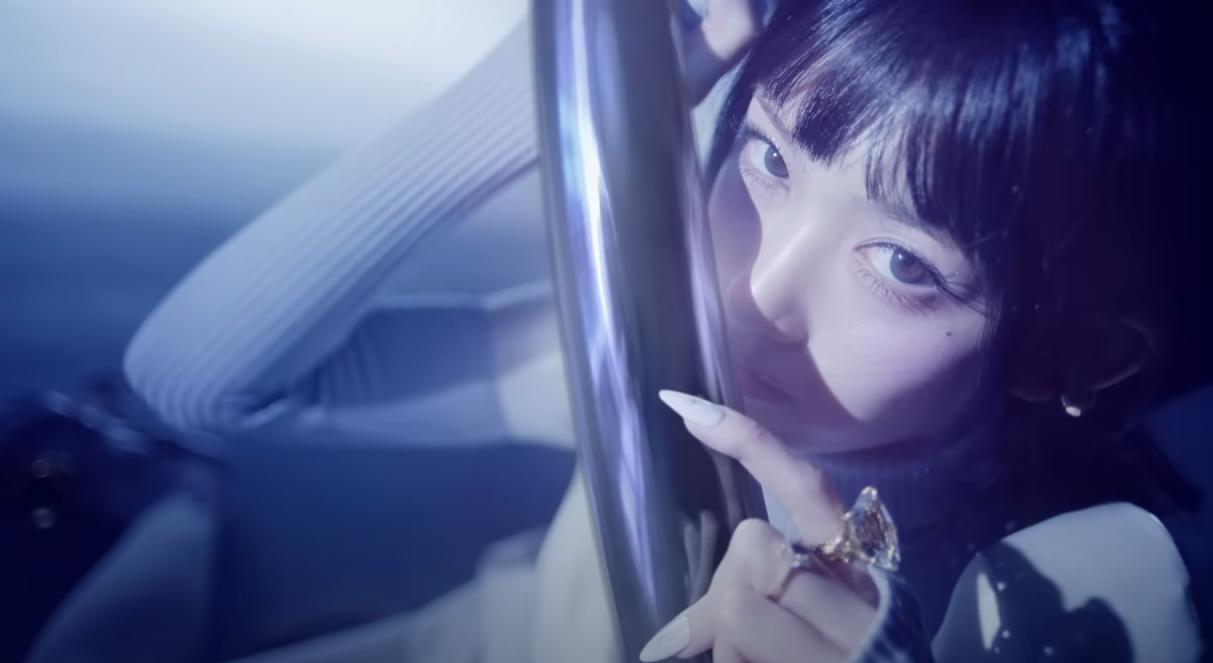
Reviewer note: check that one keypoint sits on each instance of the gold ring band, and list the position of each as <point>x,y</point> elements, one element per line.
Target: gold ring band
<point>868,535</point>
<point>800,558</point>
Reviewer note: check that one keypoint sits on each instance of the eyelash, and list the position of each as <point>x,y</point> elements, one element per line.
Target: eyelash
<point>922,303</point>
<point>748,134</point>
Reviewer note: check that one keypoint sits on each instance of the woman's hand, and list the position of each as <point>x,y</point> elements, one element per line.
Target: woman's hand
<point>720,41</point>
<point>757,609</point>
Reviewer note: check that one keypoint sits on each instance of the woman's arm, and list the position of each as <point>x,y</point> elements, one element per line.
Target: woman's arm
<point>276,324</point>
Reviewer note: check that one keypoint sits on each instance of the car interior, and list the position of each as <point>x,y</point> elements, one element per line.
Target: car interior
<point>123,163</point>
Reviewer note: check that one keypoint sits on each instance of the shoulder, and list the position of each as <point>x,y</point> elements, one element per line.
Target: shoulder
<point>1105,583</point>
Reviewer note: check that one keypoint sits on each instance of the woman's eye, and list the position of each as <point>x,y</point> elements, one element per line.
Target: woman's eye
<point>773,163</point>
<point>908,269</point>
<point>899,265</point>
<point>901,277</point>
<point>760,156</point>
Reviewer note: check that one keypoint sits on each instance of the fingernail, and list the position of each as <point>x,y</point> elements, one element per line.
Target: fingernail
<point>669,641</point>
<point>691,408</point>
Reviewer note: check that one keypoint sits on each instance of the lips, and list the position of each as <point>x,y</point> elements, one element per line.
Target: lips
<point>756,385</point>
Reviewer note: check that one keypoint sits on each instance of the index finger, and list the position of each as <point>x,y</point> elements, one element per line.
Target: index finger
<point>798,485</point>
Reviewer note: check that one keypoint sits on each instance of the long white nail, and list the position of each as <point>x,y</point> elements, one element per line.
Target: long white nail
<point>669,641</point>
<point>691,408</point>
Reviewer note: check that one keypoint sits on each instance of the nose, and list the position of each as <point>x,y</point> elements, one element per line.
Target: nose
<point>754,310</point>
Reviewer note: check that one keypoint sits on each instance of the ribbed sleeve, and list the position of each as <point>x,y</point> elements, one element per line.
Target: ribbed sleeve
<point>897,636</point>
<point>278,323</point>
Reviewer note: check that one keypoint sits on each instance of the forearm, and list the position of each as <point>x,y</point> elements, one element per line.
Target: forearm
<point>264,312</point>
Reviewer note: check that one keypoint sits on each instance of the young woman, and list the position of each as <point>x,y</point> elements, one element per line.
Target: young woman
<point>924,212</point>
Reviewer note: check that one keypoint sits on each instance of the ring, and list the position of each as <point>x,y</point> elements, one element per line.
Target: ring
<point>800,558</point>
<point>868,535</point>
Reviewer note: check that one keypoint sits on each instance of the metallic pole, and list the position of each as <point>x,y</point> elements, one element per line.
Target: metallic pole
<point>637,298</point>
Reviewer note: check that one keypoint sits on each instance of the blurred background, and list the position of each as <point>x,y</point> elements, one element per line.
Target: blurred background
<point>135,136</point>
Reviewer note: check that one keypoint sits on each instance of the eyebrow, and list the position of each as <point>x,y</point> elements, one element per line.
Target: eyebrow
<point>773,117</point>
<point>894,210</point>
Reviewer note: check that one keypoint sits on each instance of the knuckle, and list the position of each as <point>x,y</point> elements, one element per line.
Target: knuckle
<point>804,493</point>
<point>751,534</point>
<point>814,482</point>
<point>811,472</point>
<point>753,434</point>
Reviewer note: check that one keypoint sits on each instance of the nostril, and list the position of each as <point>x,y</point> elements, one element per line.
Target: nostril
<point>790,330</point>
<point>739,303</point>
<point>746,316</point>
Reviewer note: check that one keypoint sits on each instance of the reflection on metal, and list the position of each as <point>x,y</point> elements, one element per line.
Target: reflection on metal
<point>637,297</point>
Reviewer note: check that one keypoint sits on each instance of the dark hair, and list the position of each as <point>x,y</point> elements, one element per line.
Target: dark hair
<point>1041,135</point>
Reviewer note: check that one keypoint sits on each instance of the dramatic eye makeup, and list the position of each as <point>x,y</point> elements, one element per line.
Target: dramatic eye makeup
<point>900,276</point>
<point>759,159</point>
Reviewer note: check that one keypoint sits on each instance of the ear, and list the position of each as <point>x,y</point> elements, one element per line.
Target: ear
<point>1096,354</point>
<point>1127,346</point>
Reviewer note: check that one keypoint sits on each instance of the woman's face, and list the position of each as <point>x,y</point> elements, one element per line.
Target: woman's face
<point>846,320</point>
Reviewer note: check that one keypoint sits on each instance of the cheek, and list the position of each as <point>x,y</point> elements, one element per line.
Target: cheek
<point>906,372</point>
<point>893,372</point>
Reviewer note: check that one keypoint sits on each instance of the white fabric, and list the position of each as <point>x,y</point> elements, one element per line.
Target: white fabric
<point>1123,556</point>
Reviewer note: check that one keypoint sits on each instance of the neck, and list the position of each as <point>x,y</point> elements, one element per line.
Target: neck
<point>919,482</point>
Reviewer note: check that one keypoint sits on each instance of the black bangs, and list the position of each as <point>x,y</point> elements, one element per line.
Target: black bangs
<point>1015,126</point>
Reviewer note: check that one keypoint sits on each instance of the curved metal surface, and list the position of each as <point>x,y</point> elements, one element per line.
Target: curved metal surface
<point>638,300</point>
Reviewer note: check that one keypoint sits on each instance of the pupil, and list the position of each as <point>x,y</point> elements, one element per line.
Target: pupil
<point>774,163</point>
<point>907,268</point>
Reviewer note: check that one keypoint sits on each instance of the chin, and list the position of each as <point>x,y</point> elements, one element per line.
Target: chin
<point>805,434</point>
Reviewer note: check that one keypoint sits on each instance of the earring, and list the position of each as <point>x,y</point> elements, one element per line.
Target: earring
<point>1077,405</point>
